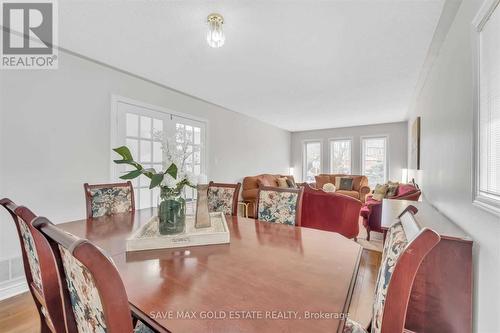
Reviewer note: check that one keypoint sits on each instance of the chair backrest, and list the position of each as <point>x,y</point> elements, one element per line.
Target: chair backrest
<point>40,268</point>
<point>223,198</point>
<point>91,285</point>
<point>108,199</point>
<point>405,248</point>
<point>280,205</point>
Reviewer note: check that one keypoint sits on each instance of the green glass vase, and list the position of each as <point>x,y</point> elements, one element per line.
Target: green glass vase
<point>171,213</point>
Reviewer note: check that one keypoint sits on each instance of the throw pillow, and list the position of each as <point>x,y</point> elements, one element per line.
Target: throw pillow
<point>380,192</point>
<point>346,184</point>
<point>282,182</point>
<point>392,189</point>
<point>291,183</point>
<point>329,187</point>
<point>264,182</point>
<point>337,181</point>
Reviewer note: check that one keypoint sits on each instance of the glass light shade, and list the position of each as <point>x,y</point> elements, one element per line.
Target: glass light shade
<point>215,34</point>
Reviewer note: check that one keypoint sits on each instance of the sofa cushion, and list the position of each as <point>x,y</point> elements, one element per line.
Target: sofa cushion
<point>356,182</point>
<point>322,180</point>
<point>265,181</point>
<point>282,182</point>
<point>352,194</point>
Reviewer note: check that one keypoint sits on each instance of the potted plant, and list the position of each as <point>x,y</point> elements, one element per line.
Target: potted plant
<point>171,181</point>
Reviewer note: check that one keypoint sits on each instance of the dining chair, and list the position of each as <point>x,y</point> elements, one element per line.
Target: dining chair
<point>92,290</point>
<point>279,205</point>
<point>40,269</point>
<point>223,198</point>
<point>108,199</point>
<point>406,246</point>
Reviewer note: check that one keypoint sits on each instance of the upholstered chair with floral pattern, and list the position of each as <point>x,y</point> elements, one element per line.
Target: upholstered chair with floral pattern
<point>405,248</point>
<point>40,269</point>
<point>109,199</point>
<point>223,198</point>
<point>279,205</point>
<point>94,295</point>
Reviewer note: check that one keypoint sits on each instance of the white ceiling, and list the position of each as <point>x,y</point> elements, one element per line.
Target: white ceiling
<point>296,64</point>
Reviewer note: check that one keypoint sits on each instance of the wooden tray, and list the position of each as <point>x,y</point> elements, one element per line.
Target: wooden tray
<point>148,237</point>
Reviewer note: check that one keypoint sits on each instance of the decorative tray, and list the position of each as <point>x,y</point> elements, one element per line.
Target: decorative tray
<point>147,237</point>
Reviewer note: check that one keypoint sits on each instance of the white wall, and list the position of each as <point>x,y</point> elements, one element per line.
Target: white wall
<point>397,153</point>
<point>445,104</point>
<point>54,136</point>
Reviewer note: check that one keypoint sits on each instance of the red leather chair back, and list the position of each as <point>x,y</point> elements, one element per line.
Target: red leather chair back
<point>330,212</point>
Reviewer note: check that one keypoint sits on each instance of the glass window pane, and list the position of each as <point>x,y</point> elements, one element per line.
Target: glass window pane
<point>197,169</point>
<point>312,161</point>
<point>157,152</point>
<point>145,127</point>
<point>189,134</point>
<point>132,124</point>
<point>157,125</point>
<point>145,151</point>
<point>340,155</point>
<point>133,146</point>
<point>197,135</point>
<point>374,160</point>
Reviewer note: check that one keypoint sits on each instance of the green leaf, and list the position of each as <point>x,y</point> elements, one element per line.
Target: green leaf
<point>156,179</point>
<point>132,174</point>
<point>124,152</point>
<point>150,172</point>
<point>172,171</point>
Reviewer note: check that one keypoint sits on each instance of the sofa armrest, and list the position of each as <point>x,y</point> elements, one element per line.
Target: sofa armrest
<point>363,191</point>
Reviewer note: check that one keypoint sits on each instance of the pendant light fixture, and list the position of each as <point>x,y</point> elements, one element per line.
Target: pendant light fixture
<point>215,34</point>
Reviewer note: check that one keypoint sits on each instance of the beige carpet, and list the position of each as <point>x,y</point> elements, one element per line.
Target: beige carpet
<point>376,242</point>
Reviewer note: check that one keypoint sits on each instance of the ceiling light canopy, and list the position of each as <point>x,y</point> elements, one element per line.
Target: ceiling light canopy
<point>215,34</point>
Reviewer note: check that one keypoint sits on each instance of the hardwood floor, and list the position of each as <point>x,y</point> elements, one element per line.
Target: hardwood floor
<point>18,314</point>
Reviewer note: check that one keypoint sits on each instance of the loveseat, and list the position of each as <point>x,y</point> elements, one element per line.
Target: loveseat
<point>251,188</point>
<point>359,190</point>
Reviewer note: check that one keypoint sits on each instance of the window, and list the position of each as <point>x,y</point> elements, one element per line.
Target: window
<point>312,160</point>
<point>487,178</point>
<point>340,156</point>
<point>142,128</point>
<point>374,160</point>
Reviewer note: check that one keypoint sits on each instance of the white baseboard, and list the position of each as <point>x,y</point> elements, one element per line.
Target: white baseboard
<point>13,288</point>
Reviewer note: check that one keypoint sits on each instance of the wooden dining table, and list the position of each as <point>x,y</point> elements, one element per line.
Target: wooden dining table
<point>269,278</point>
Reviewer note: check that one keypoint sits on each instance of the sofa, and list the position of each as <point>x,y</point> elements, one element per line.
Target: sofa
<point>371,212</point>
<point>251,189</point>
<point>360,185</point>
<point>330,211</point>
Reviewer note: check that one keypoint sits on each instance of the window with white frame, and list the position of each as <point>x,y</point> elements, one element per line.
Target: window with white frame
<point>374,160</point>
<point>340,156</point>
<point>487,179</point>
<point>312,160</point>
<point>142,128</point>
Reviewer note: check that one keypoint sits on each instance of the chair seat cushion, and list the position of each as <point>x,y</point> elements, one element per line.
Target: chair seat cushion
<point>140,327</point>
<point>353,327</point>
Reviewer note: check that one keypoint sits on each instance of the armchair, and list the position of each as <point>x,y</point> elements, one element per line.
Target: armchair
<point>371,212</point>
<point>331,212</point>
